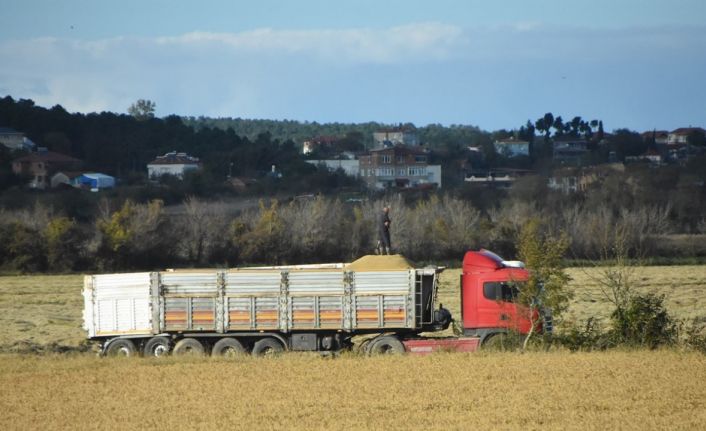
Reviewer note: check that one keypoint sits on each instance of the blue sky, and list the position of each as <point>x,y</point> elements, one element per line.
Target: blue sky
<point>636,64</point>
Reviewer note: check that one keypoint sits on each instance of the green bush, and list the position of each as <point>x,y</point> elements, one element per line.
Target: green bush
<point>644,322</point>
<point>696,336</point>
<point>583,338</point>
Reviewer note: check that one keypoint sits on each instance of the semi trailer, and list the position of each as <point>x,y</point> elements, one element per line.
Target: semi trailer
<point>270,309</point>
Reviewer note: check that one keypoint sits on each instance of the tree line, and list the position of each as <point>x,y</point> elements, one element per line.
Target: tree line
<point>122,145</point>
<point>141,236</point>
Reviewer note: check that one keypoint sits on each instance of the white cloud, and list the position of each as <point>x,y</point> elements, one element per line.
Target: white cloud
<point>455,74</point>
<point>413,42</point>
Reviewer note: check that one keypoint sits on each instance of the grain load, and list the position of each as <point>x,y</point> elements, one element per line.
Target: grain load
<point>371,263</point>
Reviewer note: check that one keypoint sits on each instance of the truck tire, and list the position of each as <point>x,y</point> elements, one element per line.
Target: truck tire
<point>229,347</point>
<point>156,347</point>
<point>386,345</point>
<point>121,347</point>
<point>500,342</point>
<point>267,347</point>
<point>188,346</point>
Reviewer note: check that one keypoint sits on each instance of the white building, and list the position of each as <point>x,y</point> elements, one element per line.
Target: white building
<point>15,140</point>
<point>350,167</point>
<point>512,147</point>
<point>391,137</point>
<point>681,136</point>
<point>176,164</point>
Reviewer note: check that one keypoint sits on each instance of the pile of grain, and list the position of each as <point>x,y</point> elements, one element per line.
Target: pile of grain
<point>395,262</point>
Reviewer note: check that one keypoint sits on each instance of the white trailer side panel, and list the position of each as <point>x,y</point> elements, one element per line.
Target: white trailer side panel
<point>117,304</point>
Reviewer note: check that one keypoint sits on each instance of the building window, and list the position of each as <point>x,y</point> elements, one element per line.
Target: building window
<point>400,159</point>
<point>420,159</point>
<point>417,171</point>
<point>402,172</point>
<point>386,158</point>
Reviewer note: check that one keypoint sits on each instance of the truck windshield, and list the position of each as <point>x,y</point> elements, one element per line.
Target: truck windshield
<point>500,291</point>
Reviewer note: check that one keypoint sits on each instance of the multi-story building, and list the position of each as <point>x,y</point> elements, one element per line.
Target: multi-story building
<point>387,138</point>
<point>41,165</point>
<point>399,166</point>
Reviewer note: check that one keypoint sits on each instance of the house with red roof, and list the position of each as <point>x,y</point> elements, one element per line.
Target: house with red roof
<point>173,163</point>
<point>39,166</point>
<point>681,136</point>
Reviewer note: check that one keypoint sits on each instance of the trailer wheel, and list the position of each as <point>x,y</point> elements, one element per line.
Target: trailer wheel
<point>189,346</point>
<point>386,345</point>
<point>121,347</point>
<point>156,347</point>
<point>229,347</point>
<point>267,347</point>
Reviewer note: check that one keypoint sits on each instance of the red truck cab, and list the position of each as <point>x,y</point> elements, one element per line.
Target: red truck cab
<point>488,292</point>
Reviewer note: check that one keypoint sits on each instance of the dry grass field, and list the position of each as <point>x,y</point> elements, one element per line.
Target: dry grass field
<point>684,288</point>
<point>557,390</point>
<point>617,390</point>
<point>39,310</point>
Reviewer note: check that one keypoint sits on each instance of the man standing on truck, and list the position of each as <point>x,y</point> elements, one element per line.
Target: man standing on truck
<point>384,246</point>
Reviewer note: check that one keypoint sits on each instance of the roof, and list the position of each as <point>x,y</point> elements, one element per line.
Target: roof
<point>96,176</point>
<point>69,174</point>
<point>687,130</point>
<point>511,141</point>
<point>175,158</point>
<point>47,156</point>
<point>9,131</point>
<point>402,149</point>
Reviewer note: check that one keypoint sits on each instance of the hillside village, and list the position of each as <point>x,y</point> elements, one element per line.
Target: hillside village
<point>397,159</point>
<point>116,191</point>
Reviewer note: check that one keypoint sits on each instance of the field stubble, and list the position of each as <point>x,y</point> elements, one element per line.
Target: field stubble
<point>627,390</point>
<point>561,390</point>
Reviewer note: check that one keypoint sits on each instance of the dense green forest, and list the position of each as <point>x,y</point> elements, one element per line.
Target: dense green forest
<point>122,145</point>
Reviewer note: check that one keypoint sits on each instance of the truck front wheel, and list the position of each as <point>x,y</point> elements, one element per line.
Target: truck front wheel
<point>386,345</point>
<point>500,342</point>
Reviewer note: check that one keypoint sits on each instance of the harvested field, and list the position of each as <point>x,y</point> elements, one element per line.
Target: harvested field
<point>557,390</point>
<point>617,390</point>
<point>36,311</point>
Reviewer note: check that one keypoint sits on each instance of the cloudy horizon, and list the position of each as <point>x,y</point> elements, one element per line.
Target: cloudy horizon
<point>642,75</point>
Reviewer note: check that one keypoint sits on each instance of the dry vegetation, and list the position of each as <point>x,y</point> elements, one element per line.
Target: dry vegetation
<point>36,311</point>
<point>684,287</point>
<point>635,390</point>
<point>606,390</point>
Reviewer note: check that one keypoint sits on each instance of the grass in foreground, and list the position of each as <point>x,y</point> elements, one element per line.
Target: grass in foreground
<point>624,390</point>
